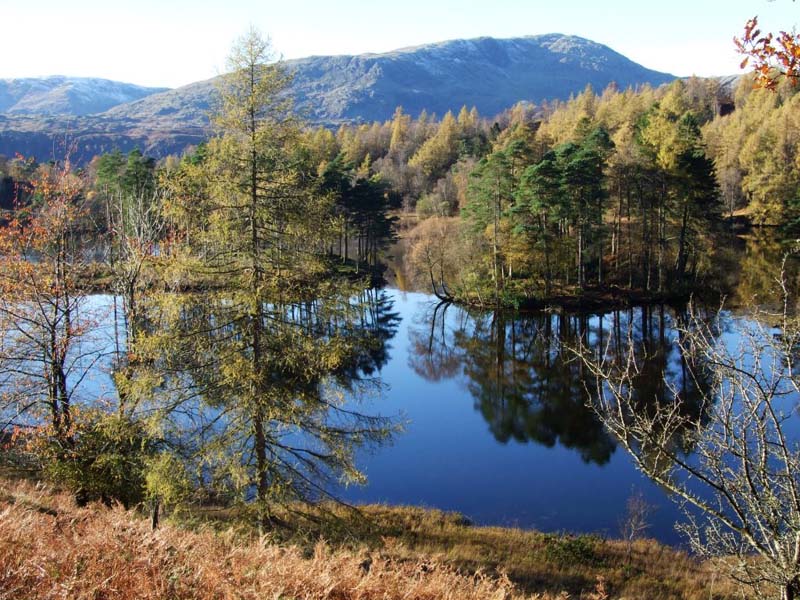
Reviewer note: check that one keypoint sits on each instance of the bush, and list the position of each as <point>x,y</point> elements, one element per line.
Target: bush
<point>167,480</point>
<point>104,459</point>
<point>568,550</point>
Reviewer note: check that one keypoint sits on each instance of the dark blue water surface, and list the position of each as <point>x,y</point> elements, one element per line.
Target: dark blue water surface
<point>495,411</point>
<point>495,431</point>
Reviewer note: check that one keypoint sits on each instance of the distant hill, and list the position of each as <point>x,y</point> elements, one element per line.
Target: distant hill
<point>67,95</point>
<point>487,73</point>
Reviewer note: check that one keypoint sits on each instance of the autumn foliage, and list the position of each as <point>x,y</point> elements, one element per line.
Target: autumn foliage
<point>53,550</point>
<point>42,265</point>
<point>772,57</point>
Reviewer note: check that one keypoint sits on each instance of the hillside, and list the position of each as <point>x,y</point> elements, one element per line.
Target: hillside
<point>75,96</point>
<point>50,548</point>
<point>487,73</point>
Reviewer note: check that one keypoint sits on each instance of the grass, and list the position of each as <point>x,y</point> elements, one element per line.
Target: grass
<point>50,548</point>
<point>537,563</point>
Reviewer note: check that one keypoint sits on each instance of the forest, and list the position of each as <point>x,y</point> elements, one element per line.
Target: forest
<point>245,275</point>
<point>612,193</point>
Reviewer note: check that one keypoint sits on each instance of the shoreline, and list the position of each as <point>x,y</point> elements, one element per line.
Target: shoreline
<point>409,547</point>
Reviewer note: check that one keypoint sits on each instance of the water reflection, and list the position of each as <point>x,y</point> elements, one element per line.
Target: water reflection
<point>497,424</point>
<point>763,261</point>
<point>376,324</point>
<point>526,380</point>
<point>266,398</point>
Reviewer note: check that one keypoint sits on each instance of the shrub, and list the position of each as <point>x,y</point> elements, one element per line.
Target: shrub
<point>104,458</point>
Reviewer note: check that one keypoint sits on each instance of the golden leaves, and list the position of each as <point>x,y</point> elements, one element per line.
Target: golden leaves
<point>773,57</point>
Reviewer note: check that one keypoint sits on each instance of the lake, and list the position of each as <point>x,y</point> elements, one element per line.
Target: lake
<point>495,413</point>
<point>496,425</point>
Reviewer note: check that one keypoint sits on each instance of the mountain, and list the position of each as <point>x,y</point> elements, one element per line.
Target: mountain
<point>67,95</point>
<point>487,73</point>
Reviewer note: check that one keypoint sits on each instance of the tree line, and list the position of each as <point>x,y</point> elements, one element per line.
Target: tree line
<point>626,190</point>
<point>622,191</point>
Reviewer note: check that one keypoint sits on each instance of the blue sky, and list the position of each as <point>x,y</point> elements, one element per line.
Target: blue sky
<point>175,42</point>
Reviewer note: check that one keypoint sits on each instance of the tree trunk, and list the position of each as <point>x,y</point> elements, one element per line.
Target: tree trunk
<point>495,250</point>
<point>662,240</point>
<point>262,483</point>
<point>680,262</point>
<point>788,591</point>
<point>579,252</point>
<point>547,273</point>
<point>154,515</point>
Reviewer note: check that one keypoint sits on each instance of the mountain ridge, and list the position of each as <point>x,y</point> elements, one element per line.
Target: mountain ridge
<point>61,94</point>
<point>488,73</point>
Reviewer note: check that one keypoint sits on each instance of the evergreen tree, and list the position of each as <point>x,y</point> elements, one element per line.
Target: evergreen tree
<point>261,346</point>
<point>490,195</point>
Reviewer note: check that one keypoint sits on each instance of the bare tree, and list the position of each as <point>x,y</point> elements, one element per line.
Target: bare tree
<point>635,522</point>
<point>733,462</point>
<point>432,253</point>
<point>137,226</point>
<point>46,321</point>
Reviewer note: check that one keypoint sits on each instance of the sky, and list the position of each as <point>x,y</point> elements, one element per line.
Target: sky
<point>169,43</point>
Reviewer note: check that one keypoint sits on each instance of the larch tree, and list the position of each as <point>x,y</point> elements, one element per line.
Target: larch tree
<point>440,151</point>
<point>259,348</point>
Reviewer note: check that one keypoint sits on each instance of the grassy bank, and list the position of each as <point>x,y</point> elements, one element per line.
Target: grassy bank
<point>50,548</point>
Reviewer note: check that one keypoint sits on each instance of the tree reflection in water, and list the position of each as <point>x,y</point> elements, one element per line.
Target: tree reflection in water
<point>525,379</point>
<point>318,360</point>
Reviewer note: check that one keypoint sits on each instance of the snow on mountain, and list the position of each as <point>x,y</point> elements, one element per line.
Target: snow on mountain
<point>67,95</point>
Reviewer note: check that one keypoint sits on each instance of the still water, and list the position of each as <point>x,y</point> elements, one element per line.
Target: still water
<point>495,413</point>
<point>496,424</point>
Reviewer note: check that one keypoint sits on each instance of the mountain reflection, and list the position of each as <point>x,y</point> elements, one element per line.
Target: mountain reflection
<point>526,380</point>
